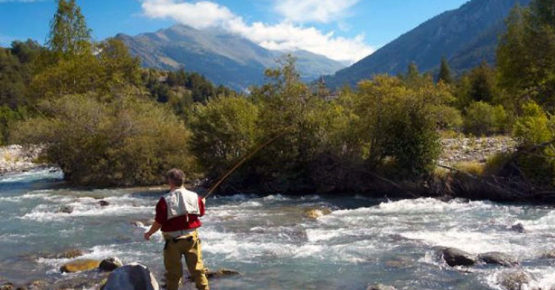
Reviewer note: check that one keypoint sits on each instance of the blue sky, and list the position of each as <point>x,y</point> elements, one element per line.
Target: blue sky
<point>345,30</point>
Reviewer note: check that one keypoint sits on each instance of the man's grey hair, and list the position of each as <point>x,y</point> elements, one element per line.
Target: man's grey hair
<point>176,177</point>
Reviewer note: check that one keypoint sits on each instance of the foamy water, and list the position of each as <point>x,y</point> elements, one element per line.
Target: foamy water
<point>268,238</point>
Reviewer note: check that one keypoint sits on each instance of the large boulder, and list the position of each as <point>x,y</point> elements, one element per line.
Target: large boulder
<point>497,258</point>
<point>131,276</point>
<point>455,257</point>
<point>79,266</point>
<point>110,264</point>
<point>514,279</point>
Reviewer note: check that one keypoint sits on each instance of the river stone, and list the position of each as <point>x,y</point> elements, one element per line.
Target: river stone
<point>69,254</point>
<point>7,286</point>
<point>549,255</point>
<point>65,209</point>
<point>79,266</point>
<point>131,276</point>
<point>110,264</point>
<point>103,203</point>
<point>381,287</point>
<point>455,257</point>
<point>221,273</point>
<point>497,258</point>
<point>514,279</point>
<point>315,213</point>
<point>519,228</point>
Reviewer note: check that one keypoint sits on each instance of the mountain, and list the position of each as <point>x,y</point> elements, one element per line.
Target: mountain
<point>465,36</point>
<point>222,57</point>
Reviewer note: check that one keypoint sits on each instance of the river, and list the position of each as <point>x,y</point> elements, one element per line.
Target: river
<point>268,239</point>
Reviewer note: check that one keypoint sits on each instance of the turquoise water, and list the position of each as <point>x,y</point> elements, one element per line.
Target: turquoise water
<point>270,241</point>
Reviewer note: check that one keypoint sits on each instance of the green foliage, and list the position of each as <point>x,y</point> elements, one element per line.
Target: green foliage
<point>534,126</point>
<point>526,55</point>
<point>8,118</point>
<point>107,73</point>
<point>445,75</point>
<point>395,124</point>
<point>69,34</point>
<point>127,142</point>
<point>478,85</point>
<point>224,130</point>
<point>484,119</point>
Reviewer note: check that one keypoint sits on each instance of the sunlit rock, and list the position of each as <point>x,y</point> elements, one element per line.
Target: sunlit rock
<point>315,213</point>
<point>79,266</point>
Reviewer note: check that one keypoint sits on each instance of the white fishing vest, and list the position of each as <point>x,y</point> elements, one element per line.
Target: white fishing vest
<point>182,202</point>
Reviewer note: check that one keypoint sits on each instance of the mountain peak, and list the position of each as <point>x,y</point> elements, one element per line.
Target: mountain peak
<point>465,36</point>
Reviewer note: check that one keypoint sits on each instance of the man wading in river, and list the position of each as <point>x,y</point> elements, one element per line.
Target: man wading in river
<point>177,214</point>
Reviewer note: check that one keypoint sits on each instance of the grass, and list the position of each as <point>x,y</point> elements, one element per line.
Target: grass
<point>472,167</point>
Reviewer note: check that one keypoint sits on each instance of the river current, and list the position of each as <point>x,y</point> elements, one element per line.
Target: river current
<point>269,239</point>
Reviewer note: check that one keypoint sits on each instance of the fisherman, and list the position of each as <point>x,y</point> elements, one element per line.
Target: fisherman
<point>177,215</point>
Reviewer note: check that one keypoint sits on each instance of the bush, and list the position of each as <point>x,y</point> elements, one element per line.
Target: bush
<point>534,128</point>
<point>394,123</point>
<point>126,142</point>
<point>224,130</point>
<point>484,119</point>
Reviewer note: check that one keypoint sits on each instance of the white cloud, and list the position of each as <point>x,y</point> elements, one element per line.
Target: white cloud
<point>282,36</point>
<point>313,10</point>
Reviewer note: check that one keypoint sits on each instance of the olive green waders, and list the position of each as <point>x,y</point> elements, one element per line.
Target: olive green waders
<point>174,250</point>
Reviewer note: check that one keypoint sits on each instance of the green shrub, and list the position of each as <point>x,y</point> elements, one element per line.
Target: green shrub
<point>224,130</point>
<point>126,142</point>
<point>484,119</point>
<point>534,128</point>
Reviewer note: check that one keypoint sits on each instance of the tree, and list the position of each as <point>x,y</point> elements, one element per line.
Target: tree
<point>224,130</point>
<point>526,55</point>
<point>445,74</point>
<point>69,34</point>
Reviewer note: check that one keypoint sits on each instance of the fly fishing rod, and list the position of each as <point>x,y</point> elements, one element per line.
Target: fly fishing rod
<point>241,162</point>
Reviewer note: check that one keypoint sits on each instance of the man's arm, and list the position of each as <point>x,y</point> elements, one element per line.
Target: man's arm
<point>153,229</point>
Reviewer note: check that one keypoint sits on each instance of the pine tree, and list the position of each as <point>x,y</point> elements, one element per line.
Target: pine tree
<point>69,34</point>
<point>445,74</point>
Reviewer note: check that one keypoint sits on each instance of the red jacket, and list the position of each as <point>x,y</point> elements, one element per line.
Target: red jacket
<point>178,223</point>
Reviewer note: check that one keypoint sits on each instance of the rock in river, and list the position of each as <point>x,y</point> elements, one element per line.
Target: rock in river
<point>103,203</point>
<point>549,255</point>
<point>110,264</point>
<point>455,257</point>
<point>65,209</point>
<point>221,273</point>
<point>79,266</point>
<point>514,279</point>
<point>497,258</point>
<point>315,213</point>
<point>381,287</point>
<point>131,276</point>
<point>519,228</point>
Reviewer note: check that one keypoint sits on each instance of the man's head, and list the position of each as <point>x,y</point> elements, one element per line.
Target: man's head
<point>175,177</point>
